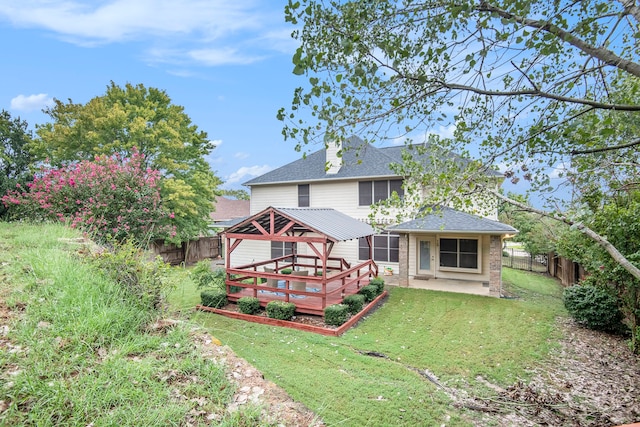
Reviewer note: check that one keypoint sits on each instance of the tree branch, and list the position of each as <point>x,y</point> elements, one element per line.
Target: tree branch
<point>542,94</point>
<point>605,55</point>
<point>598,239</point>
<point>602,149</point>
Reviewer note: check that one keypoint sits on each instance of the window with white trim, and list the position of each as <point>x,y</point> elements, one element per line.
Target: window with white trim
<point>303,196</point>
<point>279,249</point>
<point>386,248</point>
<point>459,253</point>
<point>370,192</point>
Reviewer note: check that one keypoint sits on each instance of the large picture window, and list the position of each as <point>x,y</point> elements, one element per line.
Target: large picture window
<point>386,248</point>
<point>459,253</point>
<point>303,196</point>
<point>370,192</point>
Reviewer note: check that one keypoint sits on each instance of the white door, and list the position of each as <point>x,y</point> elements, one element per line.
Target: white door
<point>426,256</point>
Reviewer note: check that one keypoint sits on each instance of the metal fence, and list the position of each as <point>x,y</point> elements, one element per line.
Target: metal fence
<point>522,260</point>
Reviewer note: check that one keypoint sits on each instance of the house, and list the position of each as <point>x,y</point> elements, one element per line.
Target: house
<point>229,211</point>
<point>449,246</point>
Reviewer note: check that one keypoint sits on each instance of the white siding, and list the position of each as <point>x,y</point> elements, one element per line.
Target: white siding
<point>483,275</point>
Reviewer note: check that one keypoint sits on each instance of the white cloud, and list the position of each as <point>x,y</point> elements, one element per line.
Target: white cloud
<point>241,155</point>
<point>246,172</point>
<point>168,26</point>
<point>216,142</point>
<point>31,102</point>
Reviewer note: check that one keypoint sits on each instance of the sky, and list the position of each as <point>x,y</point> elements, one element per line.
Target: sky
<point>228,63</point>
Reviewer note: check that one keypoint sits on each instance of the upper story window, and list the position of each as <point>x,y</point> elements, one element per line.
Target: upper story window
<point>459,253</point>
<point>370,192</point>
<point>303,196</point>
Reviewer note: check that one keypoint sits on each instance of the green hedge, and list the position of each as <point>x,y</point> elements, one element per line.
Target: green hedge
<point>215,298</point>
<point>370,292</point>
<point>336,314</point>
<point>249,305</point>
<point>354,302</point>
<point>379,283</point>
<point>594,307</point>
<point>280,310</point>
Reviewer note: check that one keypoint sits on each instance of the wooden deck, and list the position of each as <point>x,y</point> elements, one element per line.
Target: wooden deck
<point>312,301</point>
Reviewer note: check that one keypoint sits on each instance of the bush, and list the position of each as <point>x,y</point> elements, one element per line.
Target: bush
<point>216,298</point>
<point>286,271</point>
<point>354,302</point>
<point>112,198</point>
<point>370,292</point>
<point>379,282</point>
<point>336,314</point>
<point>594,307</point>
<point>145,282</point>
<point>249,305</point>
<point>280,310</point>
<point>206,278</point>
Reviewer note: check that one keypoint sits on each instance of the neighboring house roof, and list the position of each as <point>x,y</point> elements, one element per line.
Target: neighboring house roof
<point>325,221</point>
<point>449,220</point>
<point>359,160</point>
<point>228,209</point>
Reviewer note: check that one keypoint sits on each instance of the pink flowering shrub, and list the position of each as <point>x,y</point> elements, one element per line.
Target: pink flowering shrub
<point>110,198</point>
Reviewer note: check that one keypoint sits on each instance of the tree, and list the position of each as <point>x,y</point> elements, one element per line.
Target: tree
<point>240,194</point>
<point>15,159</point>
<point>111,198</point>
<point>537,233</point>
<point>134,117</point>
<point>515,78</point>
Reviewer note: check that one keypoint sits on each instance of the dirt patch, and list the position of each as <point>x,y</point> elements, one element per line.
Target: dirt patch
<point>592,379</point>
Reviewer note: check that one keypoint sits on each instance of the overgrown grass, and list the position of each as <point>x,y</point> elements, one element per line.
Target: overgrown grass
<point>78,351</point>
<point>454,336</point>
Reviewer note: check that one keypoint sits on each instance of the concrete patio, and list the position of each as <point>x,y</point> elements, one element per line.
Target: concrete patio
<point>445,285</point>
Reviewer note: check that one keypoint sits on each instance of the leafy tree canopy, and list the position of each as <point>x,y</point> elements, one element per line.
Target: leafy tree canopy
<point>144,118</point>
<point>545,88</point>
<point>15,159</point>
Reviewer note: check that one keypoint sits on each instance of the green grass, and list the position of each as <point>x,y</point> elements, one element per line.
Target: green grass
<point>78,352</point>
<point>456,337</point>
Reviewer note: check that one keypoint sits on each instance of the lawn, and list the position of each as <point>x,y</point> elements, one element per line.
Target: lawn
<point>457,338</point>
<point>75,349</point>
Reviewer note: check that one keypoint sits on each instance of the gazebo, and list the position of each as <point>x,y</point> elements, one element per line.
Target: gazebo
<point>312,280</point>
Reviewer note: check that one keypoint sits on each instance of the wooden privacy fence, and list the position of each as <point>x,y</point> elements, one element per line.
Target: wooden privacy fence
<point>567,271</point>
<point>190,252</point>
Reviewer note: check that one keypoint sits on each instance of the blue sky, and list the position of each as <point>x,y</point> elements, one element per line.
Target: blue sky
<point>228,63</point>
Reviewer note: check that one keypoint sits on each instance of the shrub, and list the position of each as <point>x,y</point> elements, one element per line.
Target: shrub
<point>336,314</point>
<point>207,278</point>
<point>280,310</point>
<point>215,298</point>
<point>370,292</point>
<point>379,283</point>
<point>286,271</point>
<point>112,198</point>
<point>146,282</point>
<point>594,307</point>
<point>249,305</point>
<point>354,302</point>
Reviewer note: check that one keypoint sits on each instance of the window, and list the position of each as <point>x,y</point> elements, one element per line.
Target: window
<point>279,249</point>
<point>386,248</point>
<point>370,192</point>
<point>303,196</point>
<point>459,253</point>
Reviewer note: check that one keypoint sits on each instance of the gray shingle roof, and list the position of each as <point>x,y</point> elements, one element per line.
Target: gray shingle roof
<point>326,221</point>
<point>360,160</point>
<point>452,221</point>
